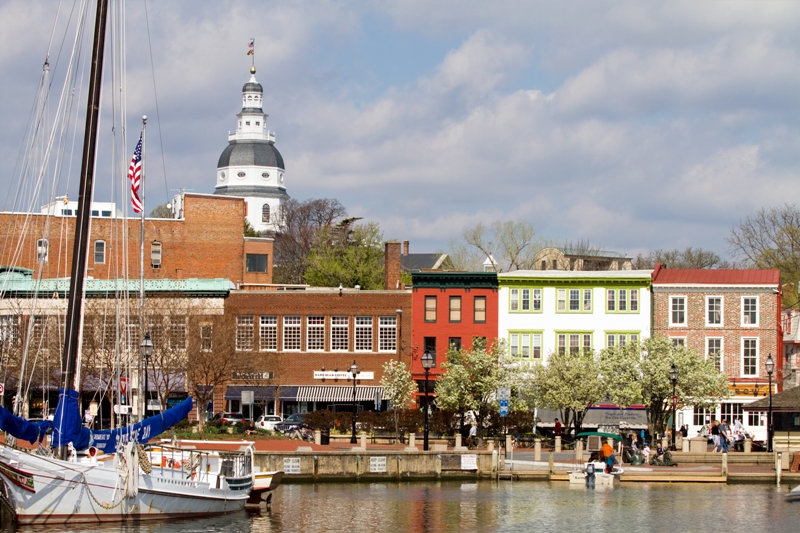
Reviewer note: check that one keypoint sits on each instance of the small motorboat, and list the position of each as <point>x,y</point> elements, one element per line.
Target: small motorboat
<point>596,468</point>
<point>794,495</point>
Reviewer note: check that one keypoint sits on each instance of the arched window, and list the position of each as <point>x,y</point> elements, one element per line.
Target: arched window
<point>265,213</point>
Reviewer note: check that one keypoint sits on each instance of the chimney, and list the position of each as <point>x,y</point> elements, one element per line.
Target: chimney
<point>391,265</point>
<point>405,247</point>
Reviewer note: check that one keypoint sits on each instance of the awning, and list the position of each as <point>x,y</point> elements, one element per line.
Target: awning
<point>333,393</point>
<point>262,393</point>
<point>633,418</point>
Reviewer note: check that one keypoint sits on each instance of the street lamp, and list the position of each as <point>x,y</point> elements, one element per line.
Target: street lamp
<point>354,370</point>
<point>673,377</point>
<point>427,364</point>
<point>770,364</point>
<point>146,350</point>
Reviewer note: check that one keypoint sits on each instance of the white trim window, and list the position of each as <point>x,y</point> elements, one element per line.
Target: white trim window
<point>526,299</point>
<point>750,357</point>
<point>340,333</point>
<point>291,333</point>
<point>387,331</point>
<point>42,247</point>
<point>714,351</point>
<point>750,311</point>
<point>99,252</point>
<point>525,345</point>
<point>315,333</point>
<point>714,311</point>
<point>677,310</point>
<point>537,300</point>
<point>678,341</point>
<point>514,300</point>
<point>575,344</point>
<point>206,338</point>
<point>268,334</point>
<point>562,300</point>
<point>587,300</point>
<point>364,333</point>
<point>244,333</point>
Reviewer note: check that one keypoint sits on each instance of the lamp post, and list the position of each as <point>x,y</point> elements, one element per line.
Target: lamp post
<point>354,370</point>
<point>673,377</point>
<point>427,363</point>
<point>146,350</point>
<point>770,364</point>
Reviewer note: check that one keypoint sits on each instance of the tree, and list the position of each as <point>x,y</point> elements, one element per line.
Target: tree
<point>690,258</point>
<point>161,211</point>
<point>771,239</point>
<point>347,258</point>
<point>249,230</point>
<point>570,381</point>
<point>639,374</point>
<point>398,388</point>
<point>472,377</point>
<point>511,245</point>
<point>300,222</point>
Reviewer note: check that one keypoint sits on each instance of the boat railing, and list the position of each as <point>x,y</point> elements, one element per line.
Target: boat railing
<point>185,464</point>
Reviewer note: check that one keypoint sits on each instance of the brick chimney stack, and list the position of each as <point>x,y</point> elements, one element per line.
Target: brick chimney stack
<point>405,247</point>
<point>391,266</point>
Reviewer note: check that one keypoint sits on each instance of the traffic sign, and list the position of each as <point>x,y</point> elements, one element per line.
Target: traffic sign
<point>503,407</point>
<point>503,393</point>
<point>123,386</point>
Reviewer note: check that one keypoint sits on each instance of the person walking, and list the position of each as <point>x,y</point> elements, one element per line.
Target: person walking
<point>724,432</point>
<point>715,434</point>
<point>557,428</point>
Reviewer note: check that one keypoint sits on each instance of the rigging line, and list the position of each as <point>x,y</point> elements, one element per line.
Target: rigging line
<point>155,92</point>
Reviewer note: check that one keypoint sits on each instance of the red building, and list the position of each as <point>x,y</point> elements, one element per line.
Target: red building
<point>449,309</point>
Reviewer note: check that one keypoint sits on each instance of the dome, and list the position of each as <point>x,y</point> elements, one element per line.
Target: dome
<point>251,153</point>
<point>252,87</point>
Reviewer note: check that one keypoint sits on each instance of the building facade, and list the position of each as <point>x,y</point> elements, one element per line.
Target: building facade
<point>450,309</point>
<point>732,316</point>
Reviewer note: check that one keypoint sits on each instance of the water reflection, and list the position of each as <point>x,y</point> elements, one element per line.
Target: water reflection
<point>487,506</point>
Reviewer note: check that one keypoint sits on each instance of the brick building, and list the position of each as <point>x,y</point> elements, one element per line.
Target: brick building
<point>733,316</point>
<point>450,309</point>
<point>206,242</point>
<point>303,343</point>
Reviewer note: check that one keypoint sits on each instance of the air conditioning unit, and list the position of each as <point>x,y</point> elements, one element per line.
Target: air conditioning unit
<point>593,443</point>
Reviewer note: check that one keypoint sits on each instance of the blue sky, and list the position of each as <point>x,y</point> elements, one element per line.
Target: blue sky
<point>636,125</point>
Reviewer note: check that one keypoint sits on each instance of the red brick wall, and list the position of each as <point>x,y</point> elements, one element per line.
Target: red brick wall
<point>391,266</point>
<point>207,243</point>
<point>732,331</point>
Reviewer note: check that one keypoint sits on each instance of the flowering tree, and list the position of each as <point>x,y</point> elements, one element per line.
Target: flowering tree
<point>639,374</point>
<point>398,388</point>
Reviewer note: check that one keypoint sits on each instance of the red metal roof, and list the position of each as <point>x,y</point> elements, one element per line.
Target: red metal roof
<point>716,277</point>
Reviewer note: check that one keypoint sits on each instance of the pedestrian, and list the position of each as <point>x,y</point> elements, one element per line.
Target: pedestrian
<point>557,428</point>
<point>685,431</point>
<point>738,426</point>
<point>606,450</point>
<point>646,452</point>
<point>724,433</point>
<point>715,434</point>
<point>473,433</point>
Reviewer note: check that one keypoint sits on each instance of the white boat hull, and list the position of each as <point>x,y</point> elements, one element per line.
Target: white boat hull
<point>578,477</point>
<point>44,490</point>
<point>794,495</point>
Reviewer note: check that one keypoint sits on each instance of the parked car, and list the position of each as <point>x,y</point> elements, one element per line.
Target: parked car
<point>268,422</point>
<point>291,423</point>
<point>229,418</point>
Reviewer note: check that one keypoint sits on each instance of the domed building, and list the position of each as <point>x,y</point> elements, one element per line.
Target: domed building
<point>251,167</point>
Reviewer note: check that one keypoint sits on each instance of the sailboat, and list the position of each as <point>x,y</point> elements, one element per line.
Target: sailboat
<point>109,475</point>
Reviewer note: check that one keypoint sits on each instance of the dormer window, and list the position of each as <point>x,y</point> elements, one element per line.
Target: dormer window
<point>247,123</point>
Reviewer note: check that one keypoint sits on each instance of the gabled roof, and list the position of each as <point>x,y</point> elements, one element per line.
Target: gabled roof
<point>788,400</point>
<point>433,261</point>
<point>666,276</point>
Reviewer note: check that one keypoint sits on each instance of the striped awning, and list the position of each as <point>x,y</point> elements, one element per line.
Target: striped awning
<point>332,393</point>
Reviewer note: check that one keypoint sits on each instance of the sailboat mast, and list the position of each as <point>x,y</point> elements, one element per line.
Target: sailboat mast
<point>84,216</point>
<point>142,326</point>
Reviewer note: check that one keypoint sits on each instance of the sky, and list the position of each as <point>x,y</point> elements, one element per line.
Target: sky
<point>635,125</point>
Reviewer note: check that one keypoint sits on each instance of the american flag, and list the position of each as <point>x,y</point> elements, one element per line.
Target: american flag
<point>135,175</point>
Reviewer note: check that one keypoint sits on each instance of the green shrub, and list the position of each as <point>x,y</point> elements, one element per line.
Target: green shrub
<point>319,419</point>
<point>211,430</point>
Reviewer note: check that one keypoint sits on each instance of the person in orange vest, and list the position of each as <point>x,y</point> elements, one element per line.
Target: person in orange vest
<point>605,451</point>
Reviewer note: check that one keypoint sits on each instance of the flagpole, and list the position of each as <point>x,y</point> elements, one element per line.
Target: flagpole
<point>142,376</point>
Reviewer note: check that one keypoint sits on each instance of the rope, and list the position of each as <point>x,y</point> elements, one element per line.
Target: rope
<point>144,461</point>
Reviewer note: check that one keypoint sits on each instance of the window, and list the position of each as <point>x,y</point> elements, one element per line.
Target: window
<point>340,333</point>
<point>177,333</point>
<point>578,342</point>
<point>587,300</point>
<point>750,357</point>
<point>364,333</point>
<point>99,252</point>
<point>621,338</point>
<point>132,330</point>
<point>537,299</point>
<point>756,418</point>
<point>622,303</point>
<point>9,331</point>
<point>622,300</point>
<point>268,334</point>
<point>155,254</point>
<point>634,300</point>
<point>387,332</point>
<point>42,246</point>
<point>562,300</point>
<point>537,345</point>
<point>291,333</point>
<point>526,299</point>
<point>514,300</point>
<point>95,213</point>
<point>265,213</point>
<point>244,333</point>
<point>677,316</point>
<point>430,309</point>
<point>612,301</point>
<point>106,213</point>
<point>315,333</point>
<point>574,300</point>
<point>454,343</point>
<point>429,345</point>
<point>455,309</point>
<point>479,309</point>
<point>525,344</point>
<point>513,345</point>
<point>256,262</point>
<point>700,416</point>
<point>678,341</point>
<point>714,351</point>
<point>66,212</point>
<point>206,338</point>
<point>731,412</point>
<point>714,311</point>
<point>749,311</point>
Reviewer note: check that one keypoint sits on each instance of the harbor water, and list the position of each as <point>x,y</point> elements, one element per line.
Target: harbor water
<point>490,506</point>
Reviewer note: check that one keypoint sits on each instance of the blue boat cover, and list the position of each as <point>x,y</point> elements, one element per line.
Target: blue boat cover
<point>107,440</point>
<point>22,429</point>
<point>67,423</point>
